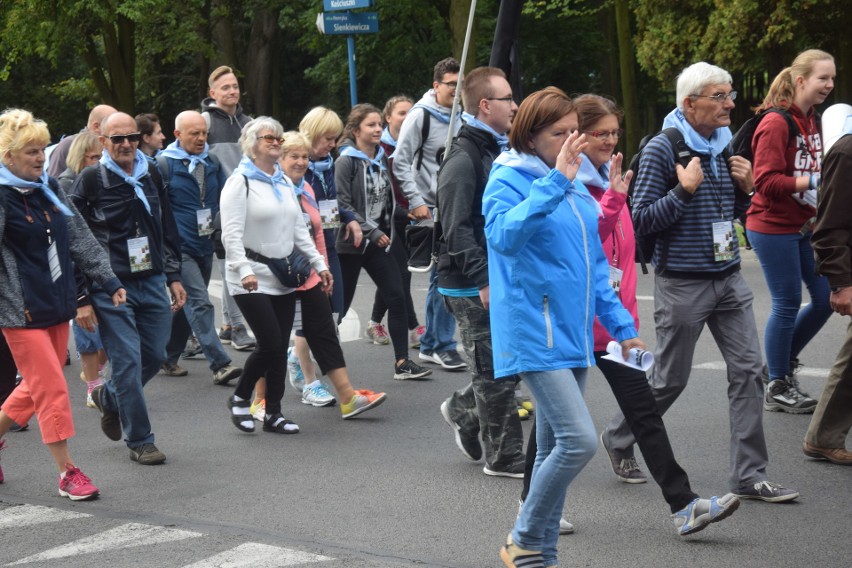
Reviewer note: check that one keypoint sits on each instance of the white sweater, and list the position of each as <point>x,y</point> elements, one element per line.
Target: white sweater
<point>256,220</point>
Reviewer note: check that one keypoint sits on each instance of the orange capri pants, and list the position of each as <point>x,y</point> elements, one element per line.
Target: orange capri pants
<point>40,357</point>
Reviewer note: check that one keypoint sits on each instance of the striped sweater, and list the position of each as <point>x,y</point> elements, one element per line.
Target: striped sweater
<point>684,222</point>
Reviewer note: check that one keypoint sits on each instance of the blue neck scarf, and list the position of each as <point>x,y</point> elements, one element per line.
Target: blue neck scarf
<point>717,143</point>
<point>387,138</point>
<point>10,179</point>
<point>321,165</point>
<point>591,176</point>
<point>502,139</point>
<point>356,153</point>
<point>140,170</point>
<point>175,151</point>
<point>277,180</point>
<point>300,192</point>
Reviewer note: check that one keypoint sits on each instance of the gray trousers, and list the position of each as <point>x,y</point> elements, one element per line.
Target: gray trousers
<point>681,308</point>
<point>231,314</point>
<point>486,405</point>
<point>832,418</point>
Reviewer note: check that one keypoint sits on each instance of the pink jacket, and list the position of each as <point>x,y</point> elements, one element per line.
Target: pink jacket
<point>316,233</point>
<point>619,243</point>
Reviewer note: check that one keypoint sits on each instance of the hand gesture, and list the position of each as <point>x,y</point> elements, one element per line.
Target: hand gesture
<point>616,182</point>
<point>568,160</point>
<point>691,176</point>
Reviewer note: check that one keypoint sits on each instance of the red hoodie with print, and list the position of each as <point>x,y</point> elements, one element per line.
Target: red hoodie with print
<point>778,160</point>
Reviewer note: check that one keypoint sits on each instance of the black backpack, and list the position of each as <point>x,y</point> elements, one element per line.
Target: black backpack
<point>645,244</point>
<point>741,142</point>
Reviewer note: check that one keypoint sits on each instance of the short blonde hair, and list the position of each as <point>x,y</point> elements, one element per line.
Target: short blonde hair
<point>294,140</point>
<point>320,120</point>
<point>83,143</point>
<point>18,128</point>
<point>217,73</point>
<point>248,136</point>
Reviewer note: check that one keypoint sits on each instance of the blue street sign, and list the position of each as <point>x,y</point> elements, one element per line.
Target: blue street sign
<point>331,5</point>
<point>346,23</point>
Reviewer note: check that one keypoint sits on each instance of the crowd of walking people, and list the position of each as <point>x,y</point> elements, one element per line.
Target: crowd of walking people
<point>119,234</point>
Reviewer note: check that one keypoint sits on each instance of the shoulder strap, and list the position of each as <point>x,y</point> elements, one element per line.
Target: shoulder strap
<point>681,151</point>
<point>424,134</point>
<point>206,115</point>
<point>472,150</point>
<point>163,165</point>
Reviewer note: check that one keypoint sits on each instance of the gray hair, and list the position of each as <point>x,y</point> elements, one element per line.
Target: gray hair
<point>694,78</point>
<point>248,137</point>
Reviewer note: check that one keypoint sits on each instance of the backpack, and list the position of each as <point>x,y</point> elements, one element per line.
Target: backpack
<point>741,142</point>
<point>646,244</point>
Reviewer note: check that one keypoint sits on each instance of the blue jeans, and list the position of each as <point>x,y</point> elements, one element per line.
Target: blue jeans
<point>440,325</point>
<point>199,311</point>
<point>567,440</point>
<point>134,337</point>
<point>787,261</point>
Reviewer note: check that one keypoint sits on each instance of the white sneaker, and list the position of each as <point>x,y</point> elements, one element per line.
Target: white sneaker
<point>377,334</point>
<point>564,526</point>
<point>294,370</point>
<point>316,394</point>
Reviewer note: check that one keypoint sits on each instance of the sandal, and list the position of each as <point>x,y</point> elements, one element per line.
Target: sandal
<point>241,414</point>
<point>280,425</point>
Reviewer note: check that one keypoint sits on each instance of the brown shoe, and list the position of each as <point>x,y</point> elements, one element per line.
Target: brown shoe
<point>840,456</point>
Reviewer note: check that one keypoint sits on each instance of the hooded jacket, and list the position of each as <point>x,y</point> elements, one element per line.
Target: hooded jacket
<point>221,126</point>
<point>419,185</point>
<point>548,273</point>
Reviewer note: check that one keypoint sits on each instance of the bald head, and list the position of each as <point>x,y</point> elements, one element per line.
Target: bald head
<point>191,131</point>
<point>120,138</point>
<point>97,116</point>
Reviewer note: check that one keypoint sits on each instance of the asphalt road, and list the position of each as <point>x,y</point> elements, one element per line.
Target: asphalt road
<point>390,489</point>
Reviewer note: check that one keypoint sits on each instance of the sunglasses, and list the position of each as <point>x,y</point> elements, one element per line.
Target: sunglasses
<point>270,138</point>
<point>133,138</point>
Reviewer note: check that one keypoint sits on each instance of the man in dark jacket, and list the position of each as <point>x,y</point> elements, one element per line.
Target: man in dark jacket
<point>486,405</point>
<point>194,179</point>
<point>124,201</point>
<point>832,419</point>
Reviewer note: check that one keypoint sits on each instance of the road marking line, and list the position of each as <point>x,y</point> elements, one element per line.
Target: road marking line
<point>255,555</point>
<point>125,536</point>
<point>26,515</point>
<point>805,372</point>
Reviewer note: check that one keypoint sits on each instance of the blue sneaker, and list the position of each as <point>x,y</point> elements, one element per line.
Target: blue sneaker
<point>294,370</point>
<point>701,512</point>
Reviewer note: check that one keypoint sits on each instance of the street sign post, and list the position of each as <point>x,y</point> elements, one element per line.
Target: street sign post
<point>348,23</point>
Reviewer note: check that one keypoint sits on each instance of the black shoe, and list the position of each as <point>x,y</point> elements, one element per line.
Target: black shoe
<point>450,360</point>
<point>280,425</point>
<point>226,374</point>
<point>147,454</point>
<point>110,421</point>
<point>241,421</point>
<point>408,369</point>
<point>467,442</point>
<point>515,471</point>
<point>15,427</point>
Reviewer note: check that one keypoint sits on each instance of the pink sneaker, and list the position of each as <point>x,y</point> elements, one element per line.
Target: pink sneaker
<point>2,447</point>
<point>414,336</point>
<point>76,485</point>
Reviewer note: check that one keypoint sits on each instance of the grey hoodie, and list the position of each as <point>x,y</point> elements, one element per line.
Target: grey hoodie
<point>419,186</point>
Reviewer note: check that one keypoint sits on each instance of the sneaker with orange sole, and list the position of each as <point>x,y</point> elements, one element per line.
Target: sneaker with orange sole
<point>362,401</point>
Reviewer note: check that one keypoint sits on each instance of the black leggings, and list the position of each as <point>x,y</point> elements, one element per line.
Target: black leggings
<point>320,330</point>
<point>271,320</point>
<point>400,255</point>
<point>8,370</point>
<point>384,271</point>
<point>633,395</point>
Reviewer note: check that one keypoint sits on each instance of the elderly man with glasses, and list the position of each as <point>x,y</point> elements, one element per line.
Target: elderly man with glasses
<point>697,271</point>
<point>125,203</point>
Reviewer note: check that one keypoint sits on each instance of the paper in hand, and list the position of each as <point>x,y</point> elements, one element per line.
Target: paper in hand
<point>637,358</point>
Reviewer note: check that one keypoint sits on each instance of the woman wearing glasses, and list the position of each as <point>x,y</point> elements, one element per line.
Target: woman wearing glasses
<point>43,238</point>
<point>787,155</point>
<point>261,217</point>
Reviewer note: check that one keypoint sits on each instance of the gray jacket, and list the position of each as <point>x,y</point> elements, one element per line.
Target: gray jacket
<point>88,256</point>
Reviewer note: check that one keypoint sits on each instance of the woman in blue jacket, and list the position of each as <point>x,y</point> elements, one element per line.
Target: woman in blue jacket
<point>546,267</point>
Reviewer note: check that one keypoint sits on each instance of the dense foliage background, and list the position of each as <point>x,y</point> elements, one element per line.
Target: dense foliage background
<point>60,57</point>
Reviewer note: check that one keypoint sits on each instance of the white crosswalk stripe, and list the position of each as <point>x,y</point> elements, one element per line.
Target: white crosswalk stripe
<point>804,372</point>
<point>255,555</point>
<point>125,536</point>
<point>26,515</point>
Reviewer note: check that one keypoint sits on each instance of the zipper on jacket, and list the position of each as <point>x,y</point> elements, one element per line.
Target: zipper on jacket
<point>588,276</point>
<point>547,323</point>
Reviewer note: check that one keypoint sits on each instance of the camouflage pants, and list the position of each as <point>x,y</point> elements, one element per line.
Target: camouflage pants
<point>486,405</point>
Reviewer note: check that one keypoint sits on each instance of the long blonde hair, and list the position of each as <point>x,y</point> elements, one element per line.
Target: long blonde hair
<point>783,87</point>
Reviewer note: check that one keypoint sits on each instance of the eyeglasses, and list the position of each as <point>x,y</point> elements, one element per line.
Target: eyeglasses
<point>450,84</point>
<point>133,138</point>
<point>604,134</point>
<point>719,97</point>
<point>508,99</point>
<point>271,138</point>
